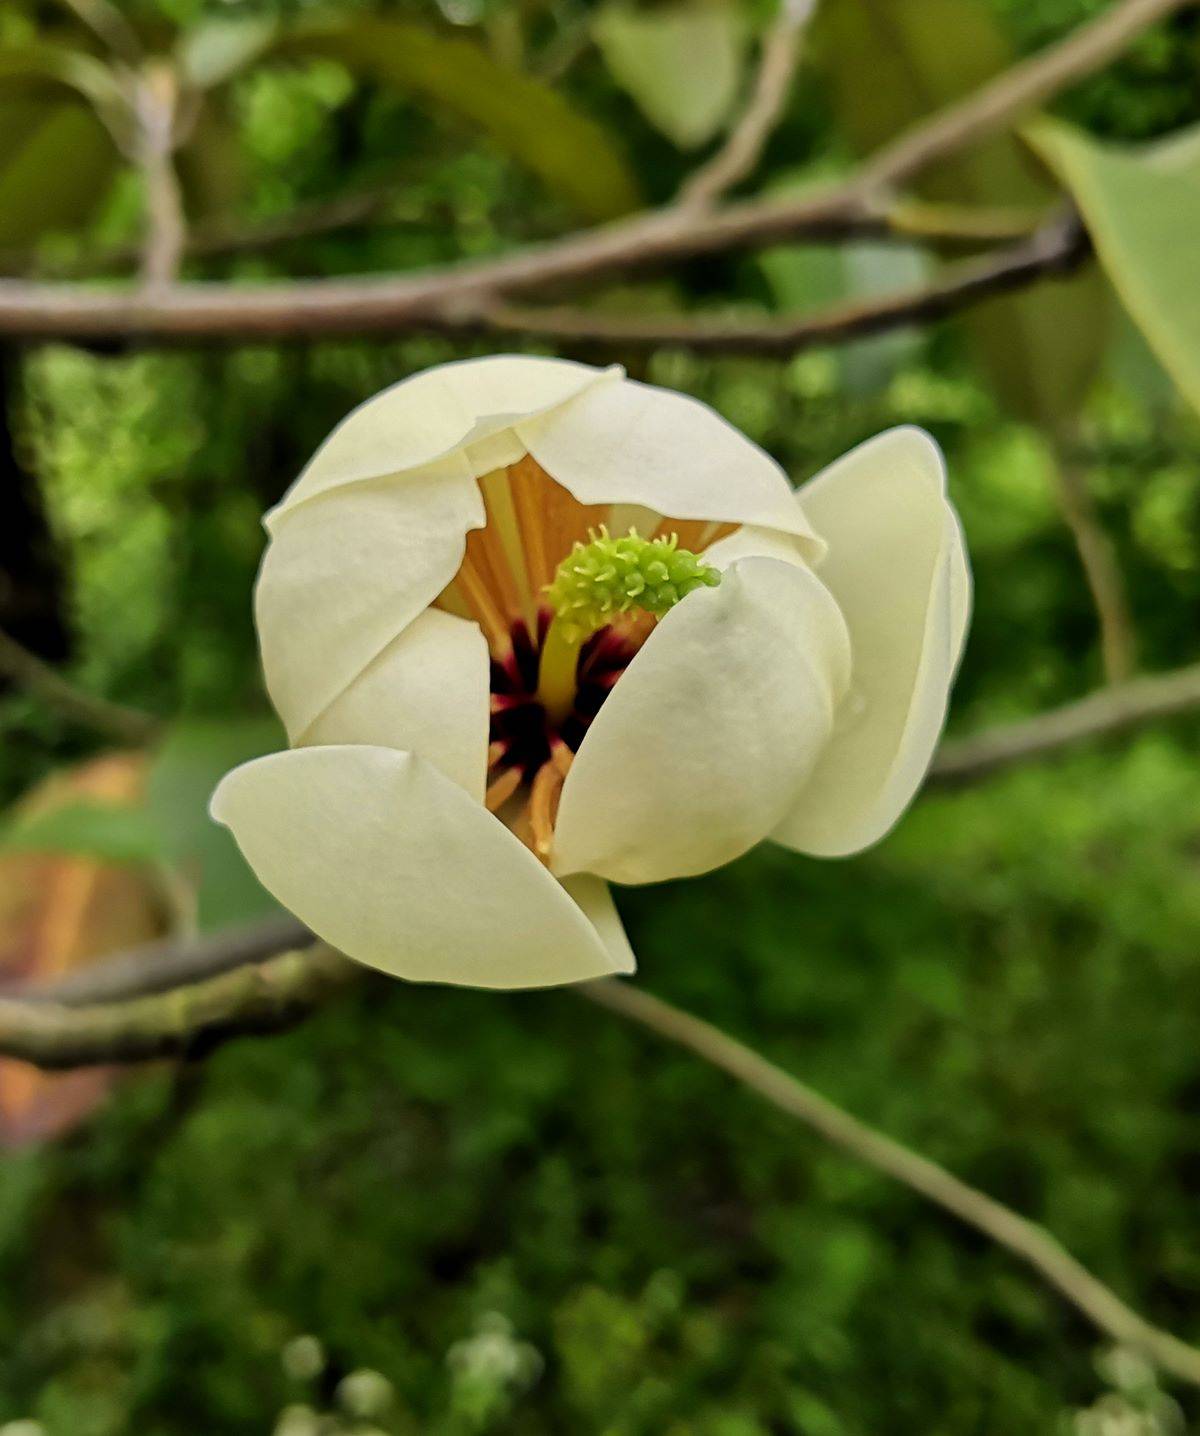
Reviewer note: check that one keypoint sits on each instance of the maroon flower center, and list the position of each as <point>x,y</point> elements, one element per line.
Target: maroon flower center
<point>523,736</point>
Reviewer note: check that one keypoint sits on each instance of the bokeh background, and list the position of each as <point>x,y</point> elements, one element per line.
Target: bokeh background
<point>526,1217</point>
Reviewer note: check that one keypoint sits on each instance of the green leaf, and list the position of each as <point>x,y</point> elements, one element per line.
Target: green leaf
<point>1142,210</point>
<point>56,163</point>
<point>536,125</point>
<point>681,64</point>
<point>216,50</point>
<point>111,833</point>
<point>189,764</point>
<point>809,277</point>
<point>892,63</point>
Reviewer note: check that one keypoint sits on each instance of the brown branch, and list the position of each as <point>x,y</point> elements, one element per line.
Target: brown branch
<point>1023,1238</point>
<point>127,725</point>
<point>1053,251</point>
<point>109,25</point>
<point>168,964</point>
<point>942,227</point>
<point>463,306</point>
<point>743,148</point>
<point>1014,92</point>
<point>453,298</point>
<point>155,100</point>
<point>1108,711</point>
<point>185,1022</point>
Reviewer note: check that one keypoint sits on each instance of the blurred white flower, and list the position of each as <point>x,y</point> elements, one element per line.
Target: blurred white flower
<point>470,766</point>
<point>365,1393</point>
<point>303,1358</point>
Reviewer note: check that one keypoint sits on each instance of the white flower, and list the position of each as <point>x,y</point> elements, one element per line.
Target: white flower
<point>447,812</point>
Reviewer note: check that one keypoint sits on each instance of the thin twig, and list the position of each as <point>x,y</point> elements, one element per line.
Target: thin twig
<point>276,994</point>
<point>1098,559</point>
<point>456,294</point>
<point>1053,251</point>
<point>155,99</point>
<point>1018,1235</point>
<point>168,964</point>
<point>127,725</point>
<point>220,239</point>
<point>1099,715</point>
<point>941,227</point>
<point>1014,92</point>
<point>743,147</point>
<point>109,25</point>
<point>183,1022</point>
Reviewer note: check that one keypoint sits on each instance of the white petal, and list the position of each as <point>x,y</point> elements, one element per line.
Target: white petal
<point>751,542</point>
<point>430,415</point>
<point>348,571</point>
<point>897,567</point>
<point>629,443</point>
<point>395,866</point>
<point>426,693</point>
<point>705,740</point>
<point>596,902</point>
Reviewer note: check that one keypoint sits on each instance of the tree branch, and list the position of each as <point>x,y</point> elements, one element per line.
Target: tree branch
<point>184,1022</point>
<point>1014,92</point>
<point>155,100</point>
<point>1023,1238</point>
<point>168,964</point>
<point>270,997</point>
<point>454,297</point>
<point>741,151</point>
<point>1054,250</point>
<point>127,725</point>
<point>1110,710</point>
<point>460,302</point>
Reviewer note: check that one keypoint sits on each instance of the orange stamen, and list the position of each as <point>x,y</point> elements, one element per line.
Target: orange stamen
<point>543,802</point>
<point>501,789</point>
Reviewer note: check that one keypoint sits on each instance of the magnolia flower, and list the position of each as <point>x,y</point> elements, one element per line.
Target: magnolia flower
<point>533,628</point>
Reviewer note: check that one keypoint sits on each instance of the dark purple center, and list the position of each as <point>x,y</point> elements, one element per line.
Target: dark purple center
<point>519,722</point>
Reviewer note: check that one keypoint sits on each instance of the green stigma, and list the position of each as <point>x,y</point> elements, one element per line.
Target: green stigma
<point>599,581</point>
<point>606,577</point>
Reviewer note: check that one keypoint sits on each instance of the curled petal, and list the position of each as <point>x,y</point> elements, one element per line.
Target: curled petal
<point>395,866</point>
<point>705,740</point>
<point>427,417</point>
<point>426,693</point>
<point>897,567</point>
<point>629,443</point>
<point>595,899</point>
<point>348,571</point>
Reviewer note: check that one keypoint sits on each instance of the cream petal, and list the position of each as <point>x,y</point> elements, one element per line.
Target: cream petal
<point>346,572</point>
<point>468,404</point>
<point>395,866</point>
<point>629,443</point>
<point>426,693</point>
<point>596,902</point>
<point>751,542</point>
<point>897,566</point>
<point>703,743</point>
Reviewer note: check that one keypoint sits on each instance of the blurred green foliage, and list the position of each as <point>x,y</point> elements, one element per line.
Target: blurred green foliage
<point>527,1219</point>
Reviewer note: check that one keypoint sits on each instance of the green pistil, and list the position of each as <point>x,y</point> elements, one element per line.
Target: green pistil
<point>598,582</point>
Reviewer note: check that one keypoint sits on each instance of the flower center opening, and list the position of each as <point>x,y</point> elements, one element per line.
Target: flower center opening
<point>564,608</point>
